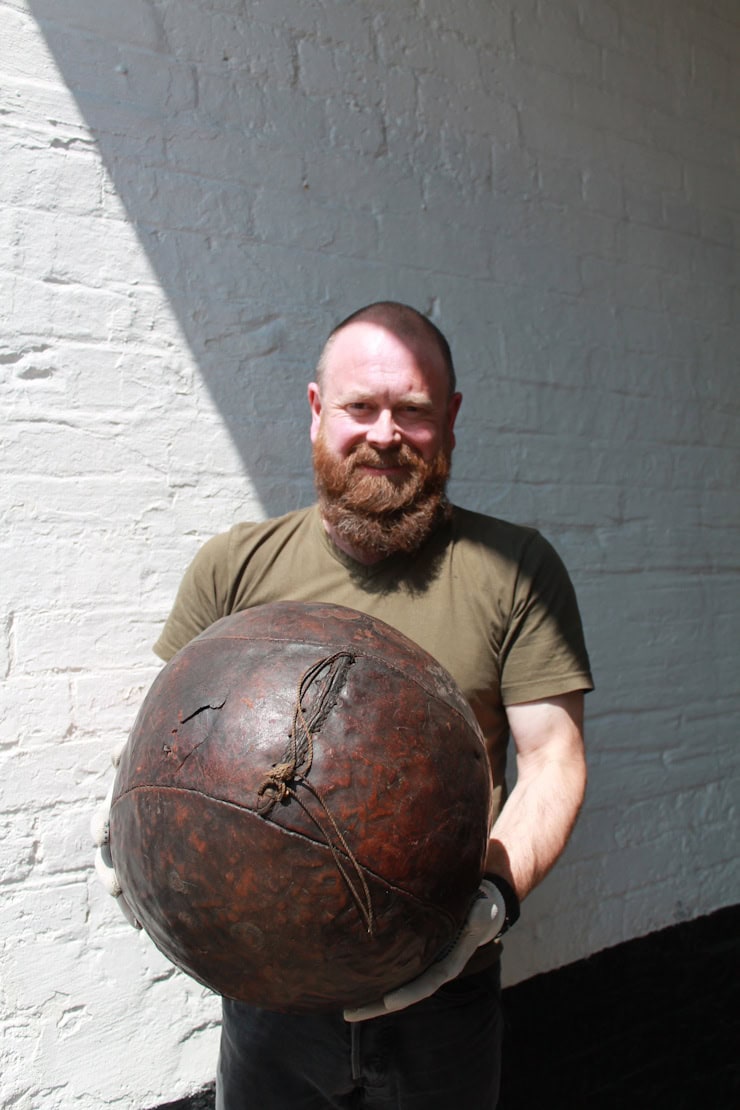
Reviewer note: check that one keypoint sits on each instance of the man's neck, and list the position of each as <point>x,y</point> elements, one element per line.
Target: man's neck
<point>363,557</point>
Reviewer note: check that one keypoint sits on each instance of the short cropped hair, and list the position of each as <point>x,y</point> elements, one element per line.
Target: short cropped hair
<point>406,322</point>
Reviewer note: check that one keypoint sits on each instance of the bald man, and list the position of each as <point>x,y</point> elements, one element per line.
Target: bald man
<point>494,604</point>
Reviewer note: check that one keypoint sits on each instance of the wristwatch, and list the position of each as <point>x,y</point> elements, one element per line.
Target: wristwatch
<point>511,902</point>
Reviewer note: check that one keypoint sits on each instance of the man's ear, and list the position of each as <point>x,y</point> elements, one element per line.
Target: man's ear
<point>453,408</point>
<point>314,400</point>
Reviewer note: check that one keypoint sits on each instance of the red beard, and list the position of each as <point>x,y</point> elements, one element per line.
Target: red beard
<point>377,514</point>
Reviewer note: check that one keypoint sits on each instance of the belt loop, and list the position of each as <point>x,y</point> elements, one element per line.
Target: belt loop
<point>356,1063</point>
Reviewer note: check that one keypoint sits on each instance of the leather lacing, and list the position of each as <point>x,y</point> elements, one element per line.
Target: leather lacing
<point>323,680</point>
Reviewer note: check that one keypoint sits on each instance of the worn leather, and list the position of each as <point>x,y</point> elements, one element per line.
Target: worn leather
<point>240,888</point>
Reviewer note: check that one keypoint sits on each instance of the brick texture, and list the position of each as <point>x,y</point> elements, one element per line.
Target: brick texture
<point>193,193</point>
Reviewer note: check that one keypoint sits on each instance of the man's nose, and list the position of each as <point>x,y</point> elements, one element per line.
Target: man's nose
<point>383,432</point>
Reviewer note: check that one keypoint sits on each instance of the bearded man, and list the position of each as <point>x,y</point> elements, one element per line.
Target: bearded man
<point>494,604</point>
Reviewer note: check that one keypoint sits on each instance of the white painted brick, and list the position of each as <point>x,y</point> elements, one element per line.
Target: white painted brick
<point>225,40</point>
<point>399,42</point>
<point>547,266</point>
<point>477,111</point>
<point>599,22</point>
<point>699,300</point>
<point>569,137</point>
<point>351,126</point>
<point>622,284</point>
<point>305,18</point>
<point>64,178</point>
<point>555,33</point>
<point>319,226</point>
<point>74,249</point>
<point>134,23</point>
<point>325,167</point>
<point>610,109</point>
<point>130,76</point>
<point>630,74</point>
<point>655,246</point>
<point>644,204</point>
<point>62,839</point>
<point>403,238</point>
<point>317,68</point>
<point>38,116</point>
<point>109,702</point>
<point>100,443</point>
<point>693,144</point>
<point>603,191</point>
<point>716,226</point>
<point>72,312</point>
<point>514,171</point>
<point>489,25</point>
<point>191,201</point>
<point>230,154</point>
<point>17,61</point>
<point>69,640</point>
<point>291,116</point>
<point>680,215</point>
<point>233,106</point>
<point>41,703</point>
<point>643,162</point>
<point>559,179</point>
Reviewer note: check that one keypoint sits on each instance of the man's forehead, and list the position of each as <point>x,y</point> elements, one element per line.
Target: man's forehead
<point>364,345</point>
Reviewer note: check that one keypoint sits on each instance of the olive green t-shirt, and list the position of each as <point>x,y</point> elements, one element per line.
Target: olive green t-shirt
<point>491,601</point>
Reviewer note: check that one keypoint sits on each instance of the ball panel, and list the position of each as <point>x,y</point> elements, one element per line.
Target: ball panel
<point>339,628</point>
<point>228,919</point>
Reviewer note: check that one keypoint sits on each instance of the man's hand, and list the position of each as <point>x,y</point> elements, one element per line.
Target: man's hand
<point>485,921</point>
<point>100,830</point>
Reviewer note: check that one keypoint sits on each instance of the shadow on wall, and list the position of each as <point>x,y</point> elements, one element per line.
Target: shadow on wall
<point>205,139</point>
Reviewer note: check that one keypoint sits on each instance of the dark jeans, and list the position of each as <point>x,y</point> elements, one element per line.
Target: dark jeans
<point>441,1054</point>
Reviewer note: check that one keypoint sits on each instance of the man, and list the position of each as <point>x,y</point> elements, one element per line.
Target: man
<point>492,602</point>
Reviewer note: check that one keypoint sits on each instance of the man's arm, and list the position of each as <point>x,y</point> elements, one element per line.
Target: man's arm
<point>536,822</point>
<point>529,835</point>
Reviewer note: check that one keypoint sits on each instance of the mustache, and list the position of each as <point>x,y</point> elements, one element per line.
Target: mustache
<point>365,455</point>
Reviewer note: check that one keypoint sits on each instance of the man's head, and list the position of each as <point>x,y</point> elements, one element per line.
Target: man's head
<point>406,323</point>
<point>383,412</point>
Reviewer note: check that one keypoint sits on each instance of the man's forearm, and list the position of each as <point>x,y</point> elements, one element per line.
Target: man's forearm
<point>537,819</point>
<point>535,825</point>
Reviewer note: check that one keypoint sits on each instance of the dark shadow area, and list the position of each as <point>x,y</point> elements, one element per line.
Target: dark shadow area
<point>648,1024</point>
<point>204,1100</point>
<point>651,1023</point>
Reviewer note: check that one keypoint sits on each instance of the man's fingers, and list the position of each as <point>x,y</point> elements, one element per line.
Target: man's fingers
<point>106,872</point>
<point>481,926</point>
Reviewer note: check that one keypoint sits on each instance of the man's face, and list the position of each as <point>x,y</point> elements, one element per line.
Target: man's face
<point>382,430</point>
<point>383,391</point>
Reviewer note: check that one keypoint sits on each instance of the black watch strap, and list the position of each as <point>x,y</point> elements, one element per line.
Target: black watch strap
<point>511,902</point>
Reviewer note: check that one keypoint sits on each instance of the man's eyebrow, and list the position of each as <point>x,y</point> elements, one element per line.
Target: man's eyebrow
<point>352,396</point>
<point>420,399</point>
<point>347,396</point>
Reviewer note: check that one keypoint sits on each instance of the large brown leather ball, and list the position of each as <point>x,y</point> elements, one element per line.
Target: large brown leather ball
<point>301,813</point>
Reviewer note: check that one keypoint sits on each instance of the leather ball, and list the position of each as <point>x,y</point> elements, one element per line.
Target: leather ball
<point>300,816</point>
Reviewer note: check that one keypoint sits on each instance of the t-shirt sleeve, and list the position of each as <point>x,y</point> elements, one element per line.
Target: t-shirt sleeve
<point>544,652</point>
<point>200,599</point>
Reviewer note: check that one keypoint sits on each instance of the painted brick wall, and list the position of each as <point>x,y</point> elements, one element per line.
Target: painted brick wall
<point>193,193</point>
